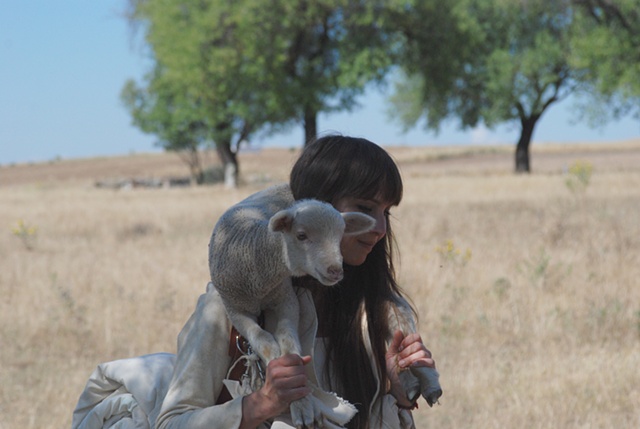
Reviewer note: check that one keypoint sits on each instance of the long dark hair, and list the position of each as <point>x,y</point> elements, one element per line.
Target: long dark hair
<point>328,169</point>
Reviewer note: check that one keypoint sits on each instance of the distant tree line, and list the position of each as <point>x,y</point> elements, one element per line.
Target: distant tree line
<point>226,70</point>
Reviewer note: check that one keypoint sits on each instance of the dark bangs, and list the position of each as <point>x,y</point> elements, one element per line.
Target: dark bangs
<point>334,167</point>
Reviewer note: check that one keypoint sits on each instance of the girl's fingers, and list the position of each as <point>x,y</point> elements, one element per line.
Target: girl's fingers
<point>414,352</point>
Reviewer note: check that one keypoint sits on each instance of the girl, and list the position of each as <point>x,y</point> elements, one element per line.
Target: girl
<point>348,331</point>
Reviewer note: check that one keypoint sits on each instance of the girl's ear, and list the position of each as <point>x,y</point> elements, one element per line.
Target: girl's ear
<point>357,223</point>
<point>281,221</point>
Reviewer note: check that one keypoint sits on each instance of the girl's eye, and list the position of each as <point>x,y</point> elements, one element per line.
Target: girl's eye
<point>364,209</point>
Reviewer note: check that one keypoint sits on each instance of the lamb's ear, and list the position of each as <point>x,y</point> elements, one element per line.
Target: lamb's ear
<point>357,223</point>
<point>281,221</point>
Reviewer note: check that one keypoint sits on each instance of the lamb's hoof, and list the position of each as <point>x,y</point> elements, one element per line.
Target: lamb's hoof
<point>411,385</point>
<point>303,414</point>
<point>432,396</point>
<point>431,390</point>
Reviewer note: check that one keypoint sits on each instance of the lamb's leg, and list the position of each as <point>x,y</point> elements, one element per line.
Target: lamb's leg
<point>416,381</point>
<point>421,380</point>
<point>429,382</point>
<point>287,313</point>
<point>411,385</point>
<point>262,342</point>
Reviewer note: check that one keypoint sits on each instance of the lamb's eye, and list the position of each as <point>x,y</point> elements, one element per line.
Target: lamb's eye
<point>301,236</point>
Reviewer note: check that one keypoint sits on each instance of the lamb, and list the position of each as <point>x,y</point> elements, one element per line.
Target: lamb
<point>257,246</point>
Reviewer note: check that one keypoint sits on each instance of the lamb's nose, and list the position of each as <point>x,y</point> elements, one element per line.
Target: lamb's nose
<point>335,272</point>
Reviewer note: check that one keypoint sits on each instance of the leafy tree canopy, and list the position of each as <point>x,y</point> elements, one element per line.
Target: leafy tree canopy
<point>235,68</point>
<point>162,108</point>
<point>501,61</point>
<point>607,50</point>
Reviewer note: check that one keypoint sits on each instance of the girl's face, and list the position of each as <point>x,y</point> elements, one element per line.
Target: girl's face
<point>355,248</point>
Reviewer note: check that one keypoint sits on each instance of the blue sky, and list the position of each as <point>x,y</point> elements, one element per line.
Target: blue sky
<point>63,64</point>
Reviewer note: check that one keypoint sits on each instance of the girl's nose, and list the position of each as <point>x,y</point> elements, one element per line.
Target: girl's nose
<point>380,227</point>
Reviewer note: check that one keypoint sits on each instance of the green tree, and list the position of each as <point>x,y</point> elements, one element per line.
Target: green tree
<point>490,61</point>
<point>207,52</point>
<point>251,65</point>
<point>161,109</point>
<point>607,50</point>
<point>330,50</point>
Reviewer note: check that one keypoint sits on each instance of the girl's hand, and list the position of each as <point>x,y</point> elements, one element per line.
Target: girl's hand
<point>405,352</point>
<point>285,382</point>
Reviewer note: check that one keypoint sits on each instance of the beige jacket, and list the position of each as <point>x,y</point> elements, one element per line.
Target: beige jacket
<point>200,369</point>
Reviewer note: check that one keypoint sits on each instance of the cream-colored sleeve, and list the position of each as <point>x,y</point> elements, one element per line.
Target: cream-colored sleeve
<point>201,366</point>
<point>202,363</point>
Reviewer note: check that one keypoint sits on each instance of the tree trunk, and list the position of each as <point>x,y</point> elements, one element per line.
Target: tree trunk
<point>191,157</point>
<point>522,149</point>
<point>229,161</point>
<point>310,125</point>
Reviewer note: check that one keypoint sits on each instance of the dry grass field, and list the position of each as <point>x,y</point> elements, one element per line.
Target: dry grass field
<point>527,285</point>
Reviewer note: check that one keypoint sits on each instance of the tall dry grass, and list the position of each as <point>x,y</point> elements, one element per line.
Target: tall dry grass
<point>528,291</point>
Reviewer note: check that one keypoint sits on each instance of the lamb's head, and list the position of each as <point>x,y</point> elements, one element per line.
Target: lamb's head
<point>311,233</point>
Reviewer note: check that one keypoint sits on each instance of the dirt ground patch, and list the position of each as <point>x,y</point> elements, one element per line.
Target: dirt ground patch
<point>467,160</point>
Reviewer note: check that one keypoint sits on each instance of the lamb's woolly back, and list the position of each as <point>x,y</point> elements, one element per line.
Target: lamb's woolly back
<point>242,250</point>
